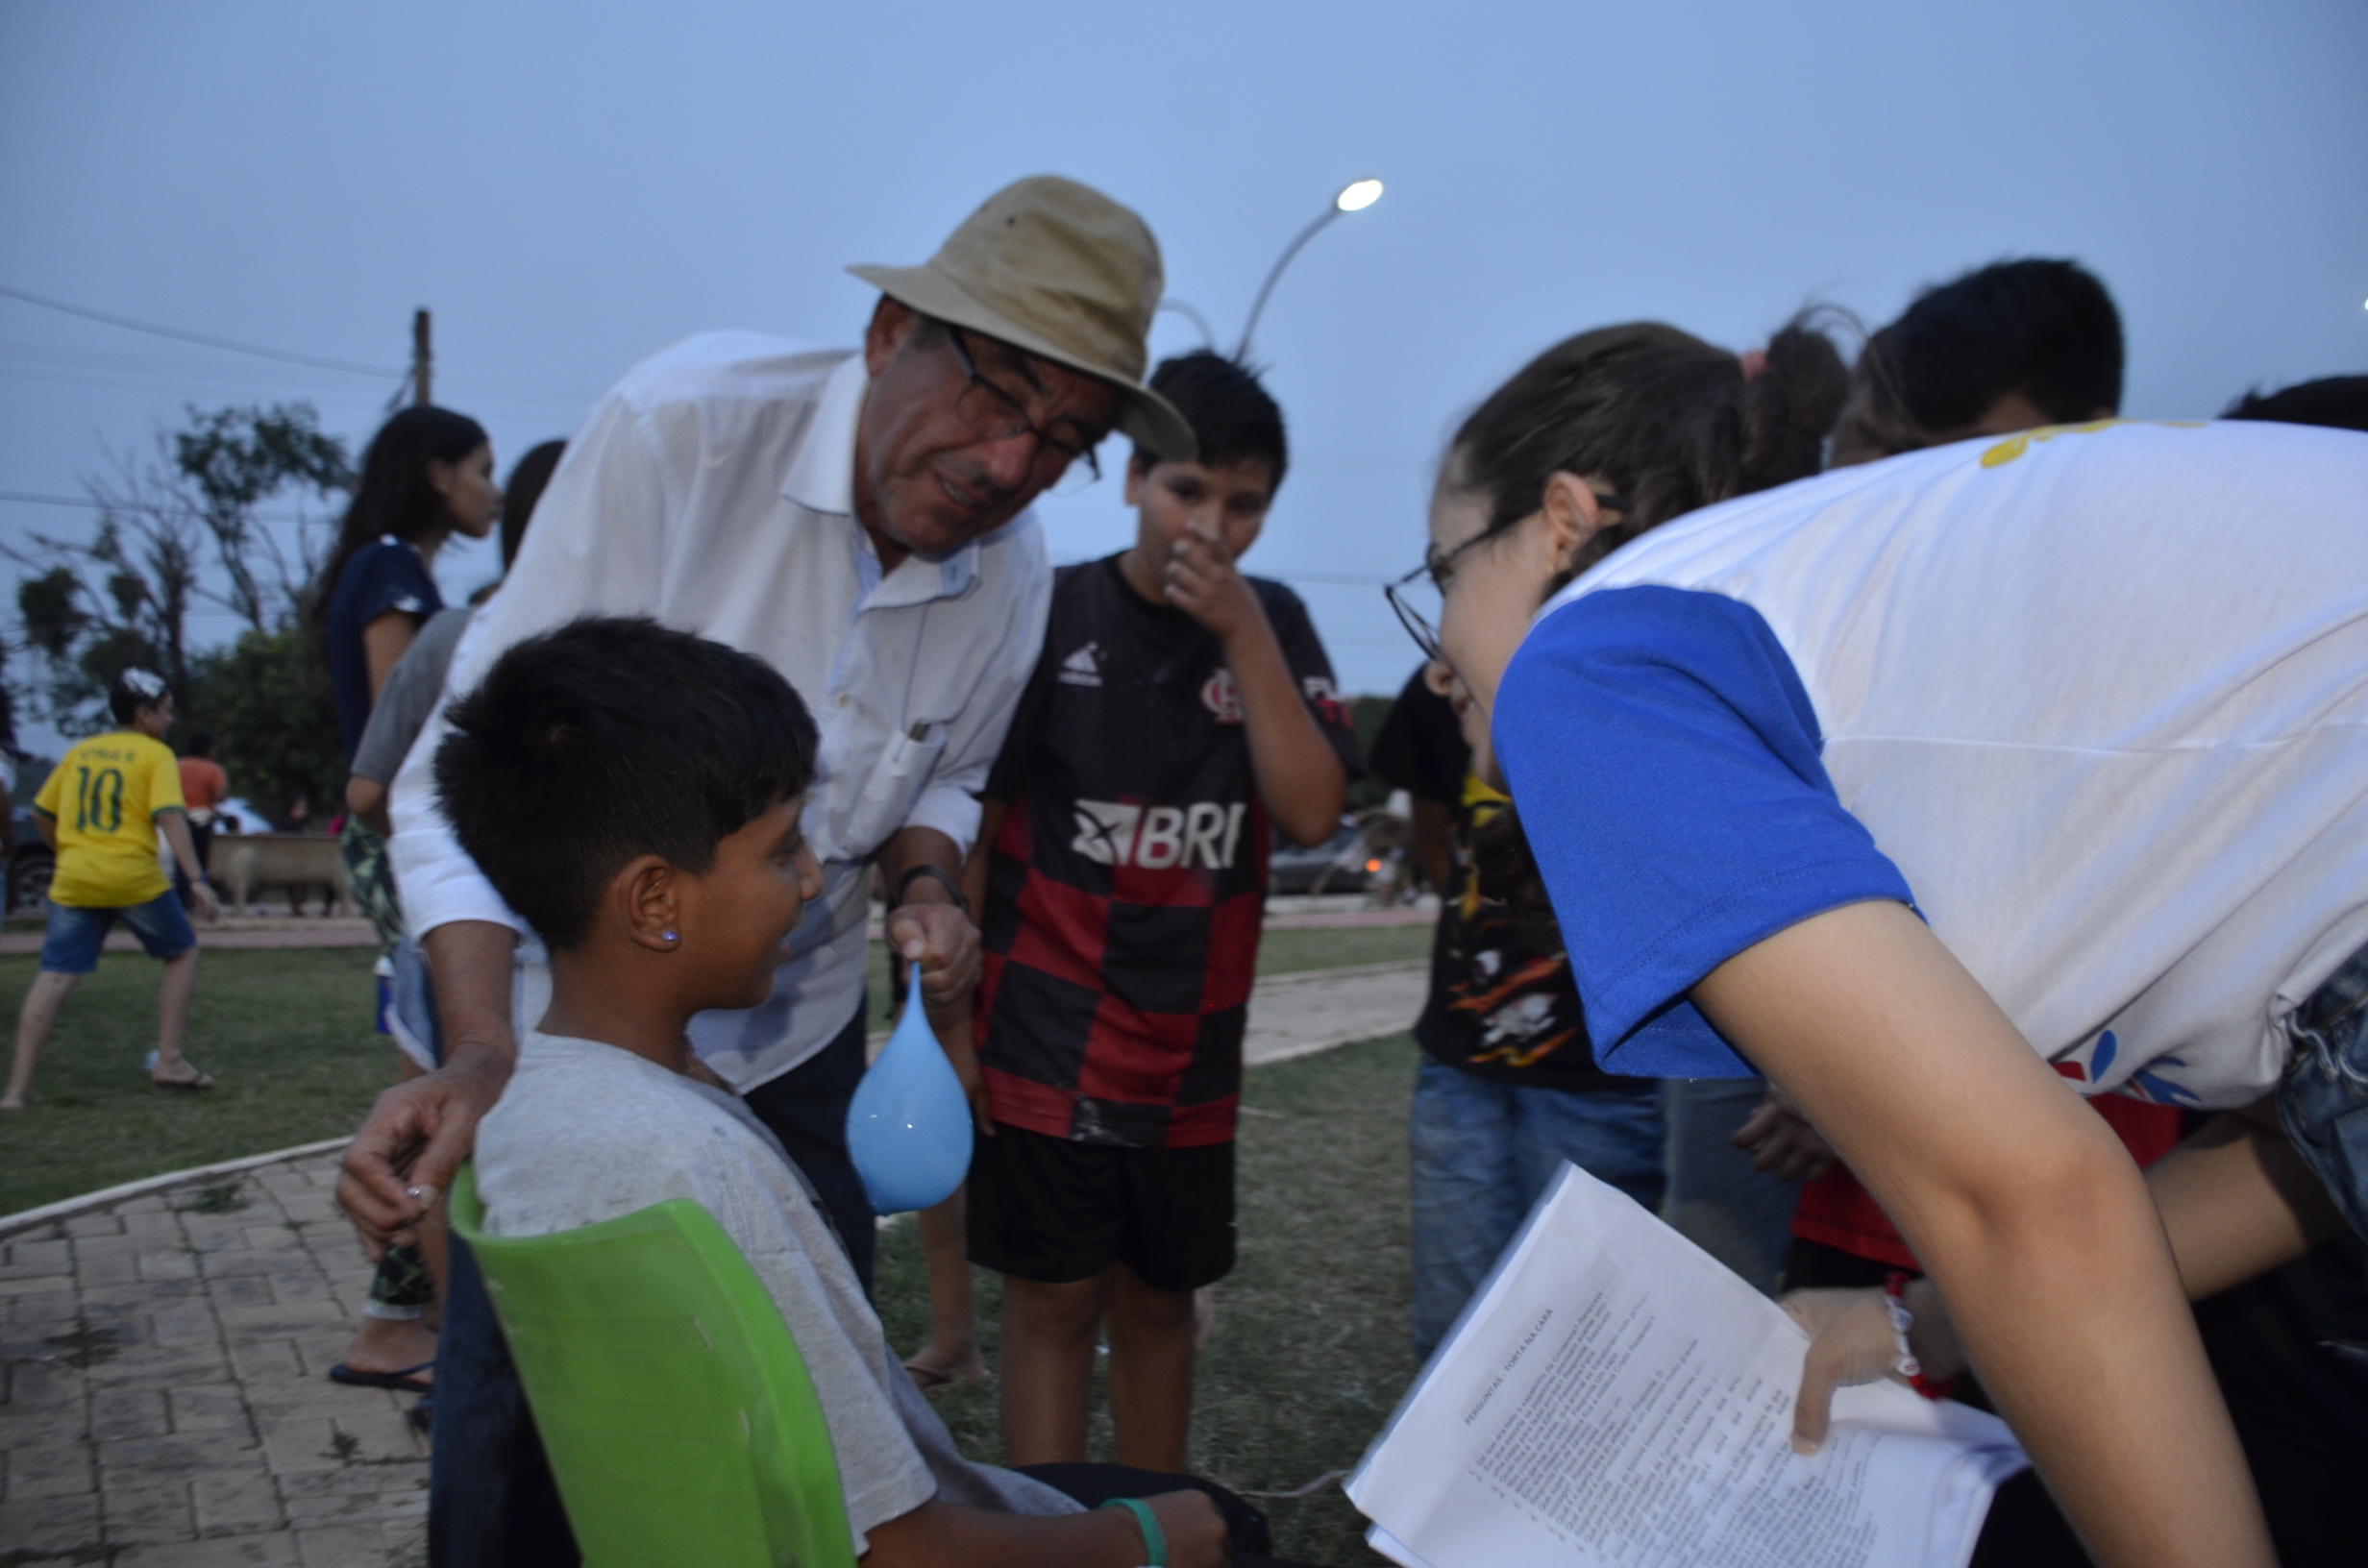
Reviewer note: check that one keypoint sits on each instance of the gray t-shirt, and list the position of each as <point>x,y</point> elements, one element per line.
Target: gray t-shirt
<point>408,697</point>
<point>587,1132</point>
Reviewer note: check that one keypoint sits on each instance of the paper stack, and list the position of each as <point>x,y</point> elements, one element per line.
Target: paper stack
<point>1614,1396</point>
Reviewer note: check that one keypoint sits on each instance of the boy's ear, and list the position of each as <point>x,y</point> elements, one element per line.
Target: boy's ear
<point>1138,470</point>
<point>645,894</point>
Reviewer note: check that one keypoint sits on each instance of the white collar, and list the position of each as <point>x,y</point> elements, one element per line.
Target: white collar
<point>822,477</point>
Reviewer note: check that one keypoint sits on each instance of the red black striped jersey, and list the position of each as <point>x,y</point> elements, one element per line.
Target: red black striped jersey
<point>1126,888</point>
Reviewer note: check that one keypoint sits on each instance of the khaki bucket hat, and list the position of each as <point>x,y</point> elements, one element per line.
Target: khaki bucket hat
<point>1059,270</point>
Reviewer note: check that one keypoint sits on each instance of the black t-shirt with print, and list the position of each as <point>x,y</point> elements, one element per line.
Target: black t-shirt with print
<point>1127,885</point>
<point>1502,1004</point>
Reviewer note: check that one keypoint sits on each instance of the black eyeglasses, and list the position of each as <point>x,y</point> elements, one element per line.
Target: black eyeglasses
<point>994,414</point>
<point>1439,568</point>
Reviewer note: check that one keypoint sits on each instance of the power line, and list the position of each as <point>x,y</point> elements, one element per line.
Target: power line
<point>208,340</point>
<point>34,498</point>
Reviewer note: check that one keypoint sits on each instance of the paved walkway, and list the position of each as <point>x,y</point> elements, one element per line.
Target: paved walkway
<point>165,1353</point>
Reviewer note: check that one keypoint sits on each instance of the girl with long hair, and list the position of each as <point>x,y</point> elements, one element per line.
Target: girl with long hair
<point>426,477</point>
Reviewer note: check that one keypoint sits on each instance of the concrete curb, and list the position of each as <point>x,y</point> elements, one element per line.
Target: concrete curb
<point>68,1208</point>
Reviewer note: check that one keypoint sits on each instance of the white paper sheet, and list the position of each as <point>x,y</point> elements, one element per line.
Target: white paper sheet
<point>1614,1396</point>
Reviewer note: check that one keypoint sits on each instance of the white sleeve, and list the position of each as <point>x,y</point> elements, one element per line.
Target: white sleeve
<point>596,546</point>
<point>950,801</point>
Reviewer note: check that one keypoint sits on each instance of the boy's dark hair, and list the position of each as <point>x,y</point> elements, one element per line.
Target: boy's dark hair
<point>1229,410</point>
<point>2045,328</point>
<point>608,739</point>
<point>134,691</point>
<point>201,743</point>
<point>2339,403</point>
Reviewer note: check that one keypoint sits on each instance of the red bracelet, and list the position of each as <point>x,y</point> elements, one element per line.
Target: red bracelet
<point>1895,1292</point>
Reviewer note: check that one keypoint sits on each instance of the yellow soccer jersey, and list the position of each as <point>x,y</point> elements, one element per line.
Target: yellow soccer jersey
<point>104,798</point>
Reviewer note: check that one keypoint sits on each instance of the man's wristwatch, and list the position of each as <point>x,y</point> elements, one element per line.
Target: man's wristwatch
<point>913,872</point>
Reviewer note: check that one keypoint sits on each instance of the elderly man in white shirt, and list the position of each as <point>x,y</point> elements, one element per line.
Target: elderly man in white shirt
<point>859,521</point>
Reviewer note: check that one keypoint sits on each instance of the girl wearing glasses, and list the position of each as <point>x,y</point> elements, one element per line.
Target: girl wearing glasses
<point>1934,789</point>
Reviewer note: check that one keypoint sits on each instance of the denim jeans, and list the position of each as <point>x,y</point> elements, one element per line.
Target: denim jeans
<point>1483,1152</point>
<point>2323,1100</point>
<point>1741,1216</point>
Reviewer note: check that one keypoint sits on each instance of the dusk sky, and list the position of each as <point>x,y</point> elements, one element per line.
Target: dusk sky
<point>570,188</point>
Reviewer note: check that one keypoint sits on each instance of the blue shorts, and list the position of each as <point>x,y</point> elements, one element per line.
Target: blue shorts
<point>76,934</point>
<point>2322,1101</point>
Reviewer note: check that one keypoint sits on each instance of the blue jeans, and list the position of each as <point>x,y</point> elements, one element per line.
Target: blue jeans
<point>2323,1100</point>
<point>76,934</point>
<point>1483,1151</point>
<point>1741,1216</point>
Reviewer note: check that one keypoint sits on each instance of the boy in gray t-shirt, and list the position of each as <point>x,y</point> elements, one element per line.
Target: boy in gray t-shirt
<point>634,793</point>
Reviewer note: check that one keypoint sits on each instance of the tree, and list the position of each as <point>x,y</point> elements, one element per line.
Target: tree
<point>268,707</point>
<point>177,526</point>
<point>234,457</point>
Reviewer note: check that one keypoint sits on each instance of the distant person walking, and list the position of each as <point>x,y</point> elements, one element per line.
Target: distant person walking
<point>100,811</point>
<point>428,476</point>
<point>203,787</point>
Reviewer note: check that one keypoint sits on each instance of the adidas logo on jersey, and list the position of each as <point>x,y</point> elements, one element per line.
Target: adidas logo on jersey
<point>1157,838</point>
<point>1083,668</point>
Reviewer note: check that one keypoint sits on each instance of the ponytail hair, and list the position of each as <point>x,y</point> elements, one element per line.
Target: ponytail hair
<point>1669,421</point>
<point>1669,424</point>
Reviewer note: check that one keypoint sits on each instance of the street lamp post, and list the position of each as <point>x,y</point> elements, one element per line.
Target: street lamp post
<point>1354,197</point>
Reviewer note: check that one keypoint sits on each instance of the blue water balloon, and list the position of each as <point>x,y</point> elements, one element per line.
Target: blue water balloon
<point>908,1128</point>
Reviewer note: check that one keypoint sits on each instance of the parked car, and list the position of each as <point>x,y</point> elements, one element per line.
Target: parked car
<point>1341,863</point>
<point>32,863</point>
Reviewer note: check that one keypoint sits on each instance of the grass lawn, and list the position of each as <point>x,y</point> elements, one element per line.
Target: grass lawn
<point>1310,1353</point>
<point>287,1034</point>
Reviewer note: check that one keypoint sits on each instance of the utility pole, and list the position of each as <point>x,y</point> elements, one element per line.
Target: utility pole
<point>423,359</point>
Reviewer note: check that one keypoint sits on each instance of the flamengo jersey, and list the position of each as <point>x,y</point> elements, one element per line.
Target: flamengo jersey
<point>2095,699</point>
<point>1127,885</point>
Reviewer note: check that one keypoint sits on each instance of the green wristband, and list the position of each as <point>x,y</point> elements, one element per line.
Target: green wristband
<point>1155,1540</point>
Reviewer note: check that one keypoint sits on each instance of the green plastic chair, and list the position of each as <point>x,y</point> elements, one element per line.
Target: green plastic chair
<point>677,1413</point>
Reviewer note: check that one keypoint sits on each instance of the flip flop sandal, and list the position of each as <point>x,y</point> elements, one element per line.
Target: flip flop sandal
<point>203,1080</point>
<point>930,1378</point>
<point>405,1382</point>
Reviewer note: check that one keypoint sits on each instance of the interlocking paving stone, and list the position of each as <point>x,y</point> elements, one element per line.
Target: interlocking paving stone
<point>163,1399</point>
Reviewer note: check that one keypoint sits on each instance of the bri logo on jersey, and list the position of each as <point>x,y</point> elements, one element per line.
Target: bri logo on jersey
<point>1157,838</point>
<point>1083,668</point>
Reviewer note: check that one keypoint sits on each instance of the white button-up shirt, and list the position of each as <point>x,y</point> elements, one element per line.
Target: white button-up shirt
<point>713,490</point>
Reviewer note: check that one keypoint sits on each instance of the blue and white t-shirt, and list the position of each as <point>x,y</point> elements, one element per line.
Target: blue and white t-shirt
<point>2093,700</point>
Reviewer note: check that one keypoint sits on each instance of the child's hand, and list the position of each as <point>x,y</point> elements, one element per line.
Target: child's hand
<point>1196,1530</point>
<point>1201,582</point>
<point>1781,1140</point>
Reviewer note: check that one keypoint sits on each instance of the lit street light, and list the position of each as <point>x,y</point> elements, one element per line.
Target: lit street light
<point>1354,197</point>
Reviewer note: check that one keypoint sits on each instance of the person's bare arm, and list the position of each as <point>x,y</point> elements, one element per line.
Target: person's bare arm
<point>366,798</point>
<point>1299,776</point>
<point>1434,845</point>
<point>419,1131</point>
<point>2025,1210</point>
<point>947,1536</point>
<point>991,815</point>
<point>2235,1200</point>
<point>47,826</point>
<point>176,826</point>
<point>384,643</point>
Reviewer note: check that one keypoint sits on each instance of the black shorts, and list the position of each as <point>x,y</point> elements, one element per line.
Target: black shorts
<point>1056,1212</point>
